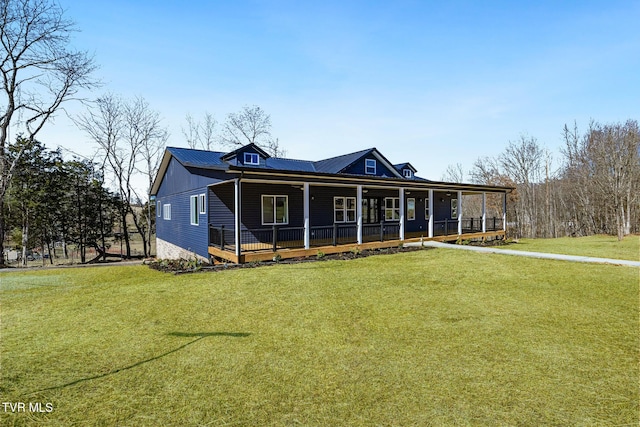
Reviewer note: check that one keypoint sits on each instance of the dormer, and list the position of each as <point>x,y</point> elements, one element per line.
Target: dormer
<point>406,169</point>
<point>368,162</point>
<point>247,155</point>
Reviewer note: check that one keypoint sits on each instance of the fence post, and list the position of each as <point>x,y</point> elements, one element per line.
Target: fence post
<point>335,234</point>
<point>494,223</point>
<point>222,237</point>
<point>382,232</point>
<point>275,238</point>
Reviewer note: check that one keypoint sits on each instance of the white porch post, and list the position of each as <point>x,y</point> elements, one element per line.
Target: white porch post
<point>430,213</point>
<point>237,217</point>
<point>504,213</point>
<point>307,229</point>
<point>401,191</point>
<point>484,212</point>
<point>459,212</point>
<point>359,212</point>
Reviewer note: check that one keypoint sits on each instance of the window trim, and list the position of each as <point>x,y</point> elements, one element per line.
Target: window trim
<point>370,165</point>
<point>251,159</point>
<point>427,214</point>
<point>407,173</point>
<point>202,202</point>
<point>411,217</point>
<point>274,196</point>
<point>394,209</point>
<point>158,209</point>
<point>193,210</point>
<point>345,209</point>
<point>166,211</point>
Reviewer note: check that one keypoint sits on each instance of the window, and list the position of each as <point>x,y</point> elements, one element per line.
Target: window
<point>158,209</point>
<point>370,166</point>
<point>426,208</point>
<point>166,211</point>
<point>407,173</point>
<point>392,209</point>
<point>203,204</point>
<point>275,210</point>
<point>193,210</point>
<point>344,209</point>
<point>454,208</point>
<point>411,209</point>
<point>251,159</point>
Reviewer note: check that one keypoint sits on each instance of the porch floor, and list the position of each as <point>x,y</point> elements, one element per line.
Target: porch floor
<point>228,254</point>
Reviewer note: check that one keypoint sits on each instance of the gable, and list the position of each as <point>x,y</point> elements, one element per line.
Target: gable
<point>247,155</point>
<point>371,163</point>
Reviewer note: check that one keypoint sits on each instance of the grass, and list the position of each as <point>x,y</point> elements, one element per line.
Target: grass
<point>599,246</point>
<point>434,337</point>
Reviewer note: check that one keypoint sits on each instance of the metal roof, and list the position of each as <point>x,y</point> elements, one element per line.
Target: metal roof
<point>334,166</point>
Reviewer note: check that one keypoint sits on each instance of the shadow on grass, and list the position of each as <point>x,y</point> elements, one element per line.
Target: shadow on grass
<point>197,335</point>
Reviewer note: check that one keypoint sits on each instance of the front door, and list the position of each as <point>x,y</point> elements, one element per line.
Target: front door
<point>370,210</point>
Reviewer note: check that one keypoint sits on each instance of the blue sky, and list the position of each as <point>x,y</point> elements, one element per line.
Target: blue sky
<point>433,83</point>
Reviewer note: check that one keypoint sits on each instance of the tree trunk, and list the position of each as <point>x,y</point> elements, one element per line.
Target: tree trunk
<point>2,260</point>
<point>25,239</point>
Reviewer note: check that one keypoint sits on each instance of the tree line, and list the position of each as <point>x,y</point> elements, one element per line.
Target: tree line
<point>596,189</point>
<point>53,201</point>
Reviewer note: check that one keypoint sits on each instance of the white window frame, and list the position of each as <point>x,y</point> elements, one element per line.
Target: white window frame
<point>275,219</point>
<point>410,217</point>
<point>251,159</point>
<point>345,210</point>
<point>202,202</point>
<point>394,209</point>
<point>427,214</point>
<point>158,209</point>
<point>407,173</point>
<point>370,166</point>
<point>166,211</point>
<point>454,208</point>
<point>193,210</point>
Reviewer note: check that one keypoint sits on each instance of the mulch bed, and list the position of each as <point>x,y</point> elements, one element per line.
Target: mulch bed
<point>182,266</point>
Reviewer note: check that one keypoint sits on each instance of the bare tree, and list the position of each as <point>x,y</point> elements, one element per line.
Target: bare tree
<point>454,173</point>
<point>40,72</point>
<point>522,162</point>
<point>153,138</point>
<point>128,133</point>
<point>200,133</point>
<point>603,168</point>
<point>251,125</point>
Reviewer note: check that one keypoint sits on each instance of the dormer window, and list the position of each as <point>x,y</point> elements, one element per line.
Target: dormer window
<point>370,166</point>
<point>407,173</point>
<point>251,159</point>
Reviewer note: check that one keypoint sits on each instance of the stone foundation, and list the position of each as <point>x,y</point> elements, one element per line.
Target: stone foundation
<point>166,250</point>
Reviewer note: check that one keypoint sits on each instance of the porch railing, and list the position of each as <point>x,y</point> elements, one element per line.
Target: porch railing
<point>448,227</point>
<point>277,237</point>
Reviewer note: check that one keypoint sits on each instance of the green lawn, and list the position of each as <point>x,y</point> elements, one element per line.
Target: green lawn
<point>434,337</point>
<point>600,246</point>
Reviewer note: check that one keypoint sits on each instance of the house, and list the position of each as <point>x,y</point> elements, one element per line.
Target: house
<point>245,205</point>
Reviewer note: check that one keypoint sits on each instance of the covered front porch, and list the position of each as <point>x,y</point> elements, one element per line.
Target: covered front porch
<point>254,220</point>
